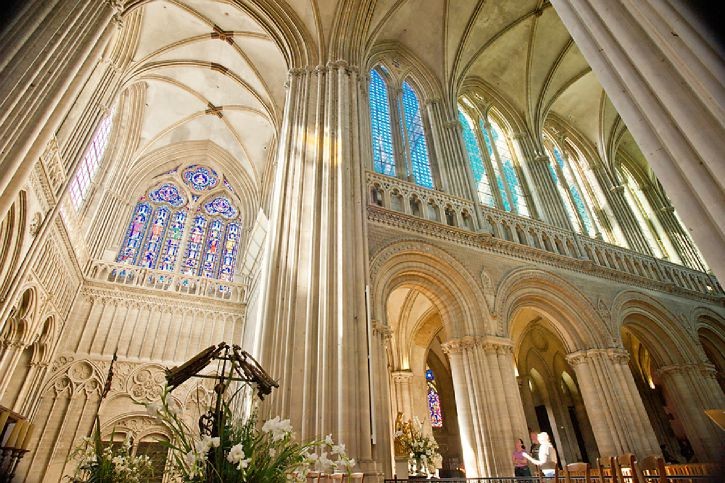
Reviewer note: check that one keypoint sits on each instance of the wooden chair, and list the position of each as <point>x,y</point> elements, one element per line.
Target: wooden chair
<point>607,469</point>
<point>578,472</point>
<point>627,468</point>
<point>651,467</point>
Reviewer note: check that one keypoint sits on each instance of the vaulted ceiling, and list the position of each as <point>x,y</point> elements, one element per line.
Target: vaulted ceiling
<point>211,70</point>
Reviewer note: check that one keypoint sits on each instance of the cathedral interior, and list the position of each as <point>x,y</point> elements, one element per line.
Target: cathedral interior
<point>494,216</point>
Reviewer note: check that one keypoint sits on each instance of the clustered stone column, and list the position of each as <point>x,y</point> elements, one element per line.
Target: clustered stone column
<point>617,416</point>
<point>490,413</point>
<point>691,389</point>
<point>315,339</point>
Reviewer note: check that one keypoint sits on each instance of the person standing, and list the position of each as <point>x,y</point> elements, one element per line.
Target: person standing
<point>521,465</point>
<point>546,459</point>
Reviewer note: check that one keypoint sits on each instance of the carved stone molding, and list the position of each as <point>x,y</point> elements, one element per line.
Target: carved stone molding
<point>402,376</point>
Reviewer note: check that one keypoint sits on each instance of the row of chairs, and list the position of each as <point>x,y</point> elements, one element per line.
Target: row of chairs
<point>626,469</point>
<point>318,477</point>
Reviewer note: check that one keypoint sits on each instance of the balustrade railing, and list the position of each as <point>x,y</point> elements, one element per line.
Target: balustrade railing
<point>404,197</point>
<point>163,281</point>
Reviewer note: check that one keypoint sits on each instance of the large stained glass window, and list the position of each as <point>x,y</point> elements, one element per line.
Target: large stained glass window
<point>417,146</point>
<point>480,178</point>
<point>91,161</point>
<point>380,126</point>
<point>434,401</point>
<point>172,229</point>
<point>643,213</point>
<point>491,158</point>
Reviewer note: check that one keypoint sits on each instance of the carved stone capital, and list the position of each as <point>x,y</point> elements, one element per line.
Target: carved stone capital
<point>617,189</point>
<point>382,330</point>
<point>403,377</point>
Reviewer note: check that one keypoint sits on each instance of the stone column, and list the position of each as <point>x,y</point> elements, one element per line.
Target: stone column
<point>691,389</point>
<point>552,209</point>
<point>315,331</point>
<point>661,68</point>
<point>490,413</point>
<point>403,400</point>
<point>383,414</point>
<point>616,413</point>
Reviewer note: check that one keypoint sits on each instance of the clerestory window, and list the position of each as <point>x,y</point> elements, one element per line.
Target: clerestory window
<point>404,153</point>
<point>88,167</point>
<point>491,157</point>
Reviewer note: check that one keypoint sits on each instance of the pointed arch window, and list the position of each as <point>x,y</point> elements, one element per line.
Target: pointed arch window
<point>380,126</point>
<point>404,153</point>
<point>577,209</point>
<point>490,154</point>
<point>417,147</point>
<point>88,167</point>
<point>643,213</point>
<point>190,232</point>
<point>434,401</point>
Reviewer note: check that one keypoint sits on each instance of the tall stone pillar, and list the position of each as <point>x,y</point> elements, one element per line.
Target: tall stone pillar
<point>403,399</point>
<point>616,413</point>
<point>315,330</point>
<point>383,414</point>
<point>692,389</point>
<point>490,413</point>
<point>662,71</point>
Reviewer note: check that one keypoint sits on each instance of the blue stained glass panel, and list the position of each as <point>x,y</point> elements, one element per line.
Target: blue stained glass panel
<point>575,194</point>
<point>229,258</point>
<point>167,193</point>
<point>200,178</point>
<point>221,206</point>
<point>380,126</point>
<point>172,243</point>
<point>135,234</point>
<point>496,171</point>
<point>420,162</point>
<point>194,246</point>
<point>155,237</point>
<point>475,158</point>
<point>509,170</point>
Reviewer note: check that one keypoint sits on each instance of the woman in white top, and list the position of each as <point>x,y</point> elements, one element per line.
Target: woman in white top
<point>547,455</point>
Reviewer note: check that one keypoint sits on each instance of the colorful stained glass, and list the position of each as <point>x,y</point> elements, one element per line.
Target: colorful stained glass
<point>227,185</point>
<point>170,249</point>
<point>194,246</point>
<point>231,245</point>
<point>135,234</point>
<point>480,178</point>
<point>221,206</point>
<point>167,193</point>
<point>200,178</point>
<point>155,237</point>
<point>212,248</point>
<point>434,401</point>
<point>577,200</point>
<point>417,145</point>
<point>380,126</point>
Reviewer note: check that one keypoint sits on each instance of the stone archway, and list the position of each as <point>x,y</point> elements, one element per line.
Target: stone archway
<point>675,364</point>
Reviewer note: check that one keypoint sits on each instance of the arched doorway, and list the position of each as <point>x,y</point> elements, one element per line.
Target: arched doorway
<point>549,390</point>
<point>422,383</point>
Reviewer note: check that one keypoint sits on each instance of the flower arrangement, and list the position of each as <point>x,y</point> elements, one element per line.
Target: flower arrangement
<point>108,462</point>
<point>243,451</point>
<point>422,449</point>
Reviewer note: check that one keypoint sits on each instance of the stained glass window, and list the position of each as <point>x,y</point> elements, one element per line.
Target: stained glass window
<point>642,209</point>
<point>434,401</point>
<point>417,146</point>
<point>200,178</point>
<point>480,178</point>
<point>496,170</point>
<point>510,175</point>
<point>161,223</point>
<point>380,126</point>
<point>91,161</point>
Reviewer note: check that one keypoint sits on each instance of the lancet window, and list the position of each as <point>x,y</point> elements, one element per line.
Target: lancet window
<point>404,153</point>
<point>644,214</point>
<point>88,167</point>
<point>491,156</point>
<point>186,223</point>
<point>434,401</point>
<point>573,188</point>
